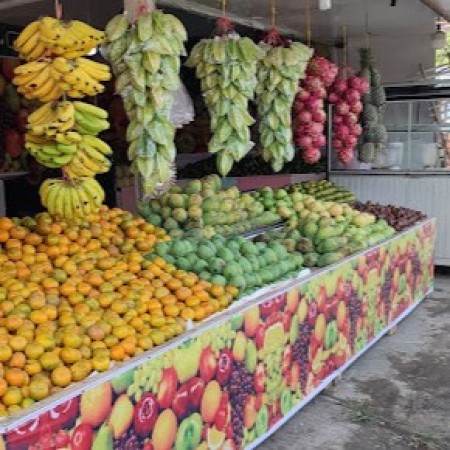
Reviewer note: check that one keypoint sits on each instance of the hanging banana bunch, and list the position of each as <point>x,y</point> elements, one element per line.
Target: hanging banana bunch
<point>226,66</point>
<point>279,72</point>
<point>62,133</point>
<point>48,37</point>
<point>146,61</point>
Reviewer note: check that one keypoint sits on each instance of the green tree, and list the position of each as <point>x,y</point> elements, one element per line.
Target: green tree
<point>443,55</point>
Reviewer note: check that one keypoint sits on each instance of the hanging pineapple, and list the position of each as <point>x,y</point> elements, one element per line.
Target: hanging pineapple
<point>374,135</point>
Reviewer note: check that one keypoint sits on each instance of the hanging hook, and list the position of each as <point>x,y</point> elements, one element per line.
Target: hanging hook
<point>273,13</point>
<point>58,9</point>
<point>345,42</point>
<point>224,7</point>
<point>308,23</point>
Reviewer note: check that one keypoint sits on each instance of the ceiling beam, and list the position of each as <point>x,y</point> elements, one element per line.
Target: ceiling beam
<point>15,3</point>
<point>440,7</point>
<point>208,11</point>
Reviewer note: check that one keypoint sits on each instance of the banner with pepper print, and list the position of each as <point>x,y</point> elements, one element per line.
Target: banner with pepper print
<point>235,383</point>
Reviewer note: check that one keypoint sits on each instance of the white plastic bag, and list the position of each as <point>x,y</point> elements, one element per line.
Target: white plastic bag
<point>182,111</point>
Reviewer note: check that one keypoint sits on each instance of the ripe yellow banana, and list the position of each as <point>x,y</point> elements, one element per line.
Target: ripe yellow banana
<point>98,144</point>
<point>42,115</point>
<point>26,34</point>
<point>29,45</point>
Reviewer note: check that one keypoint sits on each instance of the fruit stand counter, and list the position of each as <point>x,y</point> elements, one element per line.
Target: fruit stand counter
<point>230,382</point>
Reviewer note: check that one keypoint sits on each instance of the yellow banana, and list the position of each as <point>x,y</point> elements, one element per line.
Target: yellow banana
<point>98,144</point>
<point>26,34</point>
<point>40,79</point>
<point>52,32</point>
<point>92,164</point>
<point>29,45</point>
<point>31,138</point>
<point>88,31</point>
<point>97,71</point>
<point>65,111</point>
<point>73,136</point>
<point>76,168</point>
<point>52,195</point>
<point>42,114</point>
<point>68,138</point>
<point>38,51</point>
<point>84,200</point>
<point>54,94</point>
<point>68,212</point>
<point>22,80</point>
<point>59,200</point>
<point>74,93</point>
<point>46,188</point>
<point>62,65</point>
<point>31,67</point>
<point>93,188</point>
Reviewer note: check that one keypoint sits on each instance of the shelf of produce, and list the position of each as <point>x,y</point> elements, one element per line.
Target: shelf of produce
<point>255,354</point>
<point>273,181</point>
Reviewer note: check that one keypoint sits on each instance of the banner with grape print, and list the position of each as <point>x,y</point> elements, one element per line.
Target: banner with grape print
<point>229,385</point>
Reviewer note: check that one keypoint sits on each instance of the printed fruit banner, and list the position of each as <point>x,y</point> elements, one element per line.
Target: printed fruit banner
<point>228,387</point>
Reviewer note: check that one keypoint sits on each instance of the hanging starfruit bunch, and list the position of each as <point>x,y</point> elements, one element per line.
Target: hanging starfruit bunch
<point>279,72</point>
<point>226,66</point>
<point>145,57</point>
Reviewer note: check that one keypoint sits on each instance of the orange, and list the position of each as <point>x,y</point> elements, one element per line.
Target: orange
<point>171,310</point>
<point>13,322</point>
<point>39,390</point>
<point>3,387</point>
<point>4,236</point>
<point>199,312</point>
<point>49,361</point>
<point>61,376</point>
<point>17,360</point>
<point>101,363</point>
<point>6,223</point>
<point>183,293</point>
<point>18,343</point>
<point>192,301</point>
<point>80,370</point>
<point>16,377</point>
<point>12,396</point>
<point>5,353</point>
<point>72,340</point>
<point>232,290</point>
<point>67,288</point>
<point>70,355</point>
<point>188,313</point>
<point>190,279</point>
<point>34,351</point>
<point>38,316</point>
<point>217,290</point>
<point>117,352</point>
<point>18,232</point>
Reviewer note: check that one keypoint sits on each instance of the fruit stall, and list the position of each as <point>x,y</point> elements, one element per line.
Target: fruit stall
<point>228,302</point>
<point>234,379</point>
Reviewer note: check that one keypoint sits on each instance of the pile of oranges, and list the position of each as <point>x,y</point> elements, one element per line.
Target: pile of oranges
<point>77,298</point>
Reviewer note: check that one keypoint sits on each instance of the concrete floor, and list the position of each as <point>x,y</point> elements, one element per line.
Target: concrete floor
<point>396,397</point>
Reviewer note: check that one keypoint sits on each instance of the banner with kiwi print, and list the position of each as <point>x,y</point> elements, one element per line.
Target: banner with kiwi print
<point>228,385</point>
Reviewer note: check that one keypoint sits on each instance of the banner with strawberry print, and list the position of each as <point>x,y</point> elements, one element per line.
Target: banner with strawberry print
<point>233,384</point>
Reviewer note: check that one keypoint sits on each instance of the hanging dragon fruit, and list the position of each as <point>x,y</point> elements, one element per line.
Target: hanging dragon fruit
<point>309,115</point>
<point>345,95</point>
